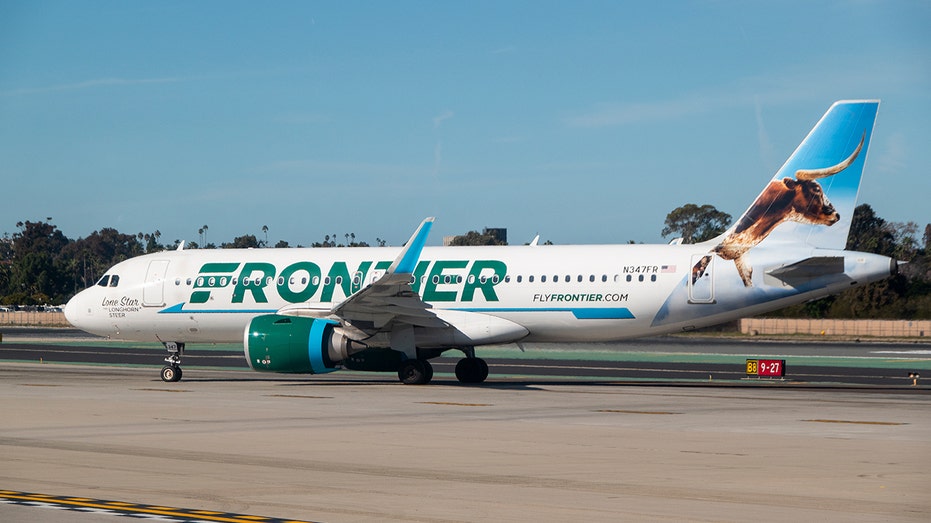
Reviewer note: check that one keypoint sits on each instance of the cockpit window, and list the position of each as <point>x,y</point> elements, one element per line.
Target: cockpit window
<point>114,280</point>
<point>104,281</point>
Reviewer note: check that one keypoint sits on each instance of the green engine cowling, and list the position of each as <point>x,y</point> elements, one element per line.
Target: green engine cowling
<point>275,343</point>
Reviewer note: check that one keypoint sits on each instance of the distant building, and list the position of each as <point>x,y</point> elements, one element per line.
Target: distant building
<point>500,234</point>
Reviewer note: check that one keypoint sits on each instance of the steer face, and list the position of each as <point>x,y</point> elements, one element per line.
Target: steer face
<point>810,205</point>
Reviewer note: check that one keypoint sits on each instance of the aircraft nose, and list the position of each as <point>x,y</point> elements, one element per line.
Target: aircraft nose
<point>71,310</point>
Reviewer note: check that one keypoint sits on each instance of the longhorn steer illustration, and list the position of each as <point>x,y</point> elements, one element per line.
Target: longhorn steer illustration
<point>800,200</point>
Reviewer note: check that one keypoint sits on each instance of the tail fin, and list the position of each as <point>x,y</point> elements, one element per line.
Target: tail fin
<point>810,200</point>
<point>831,157</point>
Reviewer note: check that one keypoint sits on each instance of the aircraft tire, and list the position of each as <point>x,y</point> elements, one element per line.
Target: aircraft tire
<point>482,370</point>
<point>415,372</point>
<point>471,370</point>
<point>171,373</point>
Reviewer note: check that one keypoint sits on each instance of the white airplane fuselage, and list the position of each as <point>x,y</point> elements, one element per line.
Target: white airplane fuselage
<point>556,293</point>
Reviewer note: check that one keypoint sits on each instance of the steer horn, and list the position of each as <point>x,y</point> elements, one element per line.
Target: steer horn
<point>814,174</point>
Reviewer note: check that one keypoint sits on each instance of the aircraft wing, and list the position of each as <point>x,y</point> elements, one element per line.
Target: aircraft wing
<point>388,301</point>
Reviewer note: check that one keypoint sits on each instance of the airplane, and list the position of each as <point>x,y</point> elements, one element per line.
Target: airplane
<point>386,309</point>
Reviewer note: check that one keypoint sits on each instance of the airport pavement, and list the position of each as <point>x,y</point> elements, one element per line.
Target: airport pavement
<point>364,448</point>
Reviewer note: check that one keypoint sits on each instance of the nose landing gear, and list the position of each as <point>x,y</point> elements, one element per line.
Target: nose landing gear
<point>172,371</point>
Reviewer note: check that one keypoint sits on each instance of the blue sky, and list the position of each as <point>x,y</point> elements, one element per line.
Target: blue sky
<point>585,122</point>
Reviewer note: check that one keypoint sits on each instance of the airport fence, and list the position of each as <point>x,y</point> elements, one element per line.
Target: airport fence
<point>858,328</point>
<point>33,319</point>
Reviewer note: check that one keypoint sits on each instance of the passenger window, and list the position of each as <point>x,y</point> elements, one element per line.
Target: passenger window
<point>281,280</point>
<point>530,279</point>
<point>482,279</point>
<point>542,278</point>
<point>495,279</point>
<point>316,280</point>
<point>591,278</point>
<point>507,279</point>
<point>339,280</point>
<point>604,278</point>
<point>104,281</point>
<point>640,277</point>
<point>653,278</point>
<point>629,278</point>
<point>436,279</point>
<point>187,282</point>
<point>519,278</point>
<point>569,278</point>
<point>326,281</point>
<point>459,279</point>
<point>114,280</point>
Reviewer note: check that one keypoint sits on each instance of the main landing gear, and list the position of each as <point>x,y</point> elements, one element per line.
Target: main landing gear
<point>471,369</point>
<point>172,371</point>
<point>417,371</point>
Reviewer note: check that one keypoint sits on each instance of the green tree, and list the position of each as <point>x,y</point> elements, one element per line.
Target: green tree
<point>869,232</point>
<point>87,259</point>
<point>926,240</point>
<point>476,238</point>
<point>246,241</point>
<point>330,241</point>
<point>38,271</point>
<point>696,224</point>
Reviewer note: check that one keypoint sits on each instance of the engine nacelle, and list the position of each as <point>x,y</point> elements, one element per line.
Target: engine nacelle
<point>275,343</point>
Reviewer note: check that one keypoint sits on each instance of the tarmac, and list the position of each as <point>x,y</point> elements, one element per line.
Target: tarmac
<point>353,447</point>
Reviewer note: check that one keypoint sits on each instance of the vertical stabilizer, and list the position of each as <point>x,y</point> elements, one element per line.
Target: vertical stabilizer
<point>831,156</point>
<point>810,200</point>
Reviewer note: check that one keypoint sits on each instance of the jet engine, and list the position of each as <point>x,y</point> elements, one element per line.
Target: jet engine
<point>275,343</point>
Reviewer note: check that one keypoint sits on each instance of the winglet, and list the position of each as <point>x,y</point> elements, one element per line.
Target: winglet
<point>407,260</point>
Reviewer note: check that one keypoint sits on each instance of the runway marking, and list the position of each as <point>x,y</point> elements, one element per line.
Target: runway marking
<point>298,396</point>
<point>620,411</point>
<point>163,390</point>
<point>854,422</point>
<point>455,404</point>
<point>122,508</point>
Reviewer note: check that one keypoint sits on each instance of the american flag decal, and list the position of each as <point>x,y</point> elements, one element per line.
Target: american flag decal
<point>667,268</point>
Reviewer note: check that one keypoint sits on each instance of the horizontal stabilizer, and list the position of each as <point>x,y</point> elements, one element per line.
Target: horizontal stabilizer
<point>806,269</point>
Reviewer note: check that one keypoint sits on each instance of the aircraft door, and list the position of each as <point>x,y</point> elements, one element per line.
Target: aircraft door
<point>153,293</point>
<point>702,290</point>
